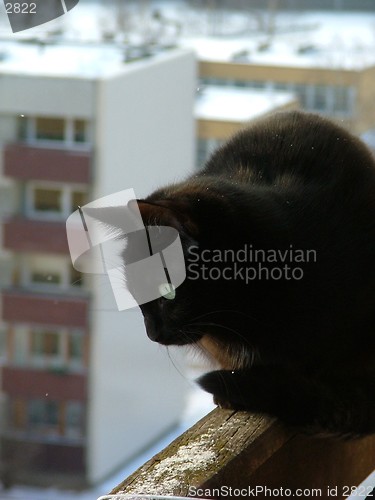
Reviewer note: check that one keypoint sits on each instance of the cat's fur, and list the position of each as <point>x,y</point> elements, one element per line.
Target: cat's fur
<point>302,349</point>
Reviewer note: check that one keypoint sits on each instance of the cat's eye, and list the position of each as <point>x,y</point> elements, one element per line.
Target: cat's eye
<point>167,291</point>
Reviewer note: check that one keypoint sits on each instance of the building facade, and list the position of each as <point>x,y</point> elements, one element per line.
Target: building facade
<point>343,94</point>
<point>221,111</point>
<point>325,59</point>
<point>83,389</point>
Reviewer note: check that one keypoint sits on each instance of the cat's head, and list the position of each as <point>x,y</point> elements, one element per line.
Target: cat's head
<point>211,306</point>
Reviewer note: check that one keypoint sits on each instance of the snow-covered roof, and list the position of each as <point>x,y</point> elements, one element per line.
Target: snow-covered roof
<point>75,45</point>
<point>235,104</point>
<point>73,60</point>
<point>59,60</point>
<point>308,40</point>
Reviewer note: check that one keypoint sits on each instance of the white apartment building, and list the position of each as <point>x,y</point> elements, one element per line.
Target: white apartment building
<point>83,388</point>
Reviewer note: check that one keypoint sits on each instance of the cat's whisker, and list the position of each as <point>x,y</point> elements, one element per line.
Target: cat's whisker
<point>224,327</point>
<point>233,311</point>
<point>175,366</point>
<point>203,350</point>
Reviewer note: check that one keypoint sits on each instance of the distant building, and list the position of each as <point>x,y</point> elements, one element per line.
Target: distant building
<point>83,389</point>
<point>291,5</point>
<point>327,60</point>
<point>222,111</point>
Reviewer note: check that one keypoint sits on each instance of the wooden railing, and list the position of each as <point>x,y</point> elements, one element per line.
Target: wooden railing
<point>231,454</point>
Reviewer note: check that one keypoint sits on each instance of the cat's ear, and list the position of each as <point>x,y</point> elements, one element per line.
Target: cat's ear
<point>164,213</point>
<point>114,219</point>
<point>128,218</point>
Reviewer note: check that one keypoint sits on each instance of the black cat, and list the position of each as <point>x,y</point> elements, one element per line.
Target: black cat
<point>278,232</point>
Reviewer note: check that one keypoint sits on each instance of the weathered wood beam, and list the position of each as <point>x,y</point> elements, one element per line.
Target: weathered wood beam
<point>245,451</point>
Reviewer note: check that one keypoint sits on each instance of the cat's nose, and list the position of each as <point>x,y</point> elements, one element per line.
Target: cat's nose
<point>157,332</point>
<point>152,329</point>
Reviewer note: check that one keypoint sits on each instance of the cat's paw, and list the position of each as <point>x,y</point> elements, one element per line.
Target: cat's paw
<point>223,404</point>
<point>223,386</point>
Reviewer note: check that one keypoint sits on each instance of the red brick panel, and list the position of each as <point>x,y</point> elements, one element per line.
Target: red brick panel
<point>45,310</point>
<point>23,235</point>
<point>47,164</point>
<point>38,384</point>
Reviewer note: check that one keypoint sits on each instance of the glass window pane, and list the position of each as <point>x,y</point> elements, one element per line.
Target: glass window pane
<point>45,343</point>
<point>76,278</point>
<point>52,343</point>
<point>35,412</point>
<point>74,419</point>
<point>37,345</point>
<point>47,200</point>
<point>80,134</point>
<point>341,99</point>
<point>51,129</point>
<point>79,198</point>
<point>320,98</point>
<point>43,416</point>
<point>302,94</point>
<point>45,277</point>
<point>51,413</point>
<point>76,346</point>
<point>18,414</point>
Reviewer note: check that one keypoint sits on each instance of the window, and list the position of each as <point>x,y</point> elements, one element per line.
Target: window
<point>329,99</point>
<point>80,131</point>
<point>74,420</point>
<point>47,200</point>
<point>46,272</point>
<point>68,131</point>
<point>76,278</point>
<point>304,94</point>
<point>50,129</point>
<point>282,87</point>
<point>47,349</point>
<point>204,149</point>
<point>46,278</point>
<point>45,343</point>
<point>47,418</point>
<point>18,414</point>
<point>321,98</point>
<point>79,198</point>
<point>52,200</point>
<point>43,417</point>
<point>75,351</point>
<point>343,102</point>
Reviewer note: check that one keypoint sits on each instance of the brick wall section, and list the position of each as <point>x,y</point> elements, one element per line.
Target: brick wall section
<point>44,310</point>
<point>41,384</point>
<point>23,235</point>
<point>62,165</point>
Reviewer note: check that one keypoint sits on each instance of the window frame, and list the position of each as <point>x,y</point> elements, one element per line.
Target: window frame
<point>30,136</point>
<point>66,190</point>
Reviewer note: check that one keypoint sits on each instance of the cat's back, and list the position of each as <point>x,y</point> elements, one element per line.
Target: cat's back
<point>297,144</point>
